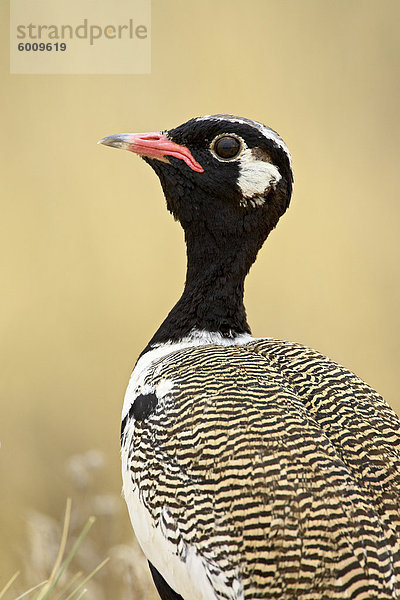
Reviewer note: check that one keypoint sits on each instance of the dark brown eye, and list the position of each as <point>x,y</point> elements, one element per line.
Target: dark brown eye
<point>227,147</point>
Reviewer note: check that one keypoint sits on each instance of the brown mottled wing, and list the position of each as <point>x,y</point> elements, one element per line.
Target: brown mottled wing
<point>280,467</point>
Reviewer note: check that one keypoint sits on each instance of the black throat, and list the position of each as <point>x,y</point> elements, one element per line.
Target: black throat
<point>212,299</point>
<point>222,241</point>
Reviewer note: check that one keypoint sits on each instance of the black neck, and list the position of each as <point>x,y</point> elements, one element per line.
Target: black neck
<point>223,238</point>
<point>213,296</point>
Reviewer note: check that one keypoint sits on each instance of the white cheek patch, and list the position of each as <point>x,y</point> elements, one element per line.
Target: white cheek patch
<point>256,176</point>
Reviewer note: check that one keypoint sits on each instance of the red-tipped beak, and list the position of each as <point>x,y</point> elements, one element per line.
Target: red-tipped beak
<point>153,145</point>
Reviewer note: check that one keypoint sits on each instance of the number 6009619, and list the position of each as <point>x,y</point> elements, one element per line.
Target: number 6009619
<point>42,46</point>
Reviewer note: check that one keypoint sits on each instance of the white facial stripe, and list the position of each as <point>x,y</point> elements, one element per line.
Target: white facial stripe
<point>256,176</point>
<point>267,132</point>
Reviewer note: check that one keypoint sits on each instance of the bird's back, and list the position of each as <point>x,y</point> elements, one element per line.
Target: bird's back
<point>263,470</point>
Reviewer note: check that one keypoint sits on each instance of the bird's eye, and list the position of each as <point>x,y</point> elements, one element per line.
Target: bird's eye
<point>227,147</point>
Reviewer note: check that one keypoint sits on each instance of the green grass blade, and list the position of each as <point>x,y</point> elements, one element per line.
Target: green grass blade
<point>32,589</point>
<point>69,585</point>
<point>49,585</point>
<point>87,578</point>
<point>83,592</point>
<point>69,558</point>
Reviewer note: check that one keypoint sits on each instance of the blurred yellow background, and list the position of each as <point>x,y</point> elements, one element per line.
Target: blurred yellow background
<point>91,261</point>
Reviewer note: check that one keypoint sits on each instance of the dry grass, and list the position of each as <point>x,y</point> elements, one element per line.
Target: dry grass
<point>82,555</point>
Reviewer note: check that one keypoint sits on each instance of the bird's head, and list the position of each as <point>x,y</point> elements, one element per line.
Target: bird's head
<point>229,175</point>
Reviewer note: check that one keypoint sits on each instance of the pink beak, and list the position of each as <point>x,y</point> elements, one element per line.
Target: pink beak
<point>154,145</point>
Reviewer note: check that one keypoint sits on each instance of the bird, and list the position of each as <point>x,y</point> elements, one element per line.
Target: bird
<point>253,468</point>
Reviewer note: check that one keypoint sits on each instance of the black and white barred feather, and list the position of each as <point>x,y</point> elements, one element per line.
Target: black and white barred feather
<point>264,471</point>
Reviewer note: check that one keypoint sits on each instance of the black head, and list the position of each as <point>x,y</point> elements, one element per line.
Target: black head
<point>227,180</point>
<point>219,172</point>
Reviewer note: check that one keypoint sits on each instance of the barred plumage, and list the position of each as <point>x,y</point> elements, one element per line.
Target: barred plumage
<point>253,469</point>
<point>291,488</point>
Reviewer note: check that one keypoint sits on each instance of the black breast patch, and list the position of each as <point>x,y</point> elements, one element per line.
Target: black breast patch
<point>142,407</point>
